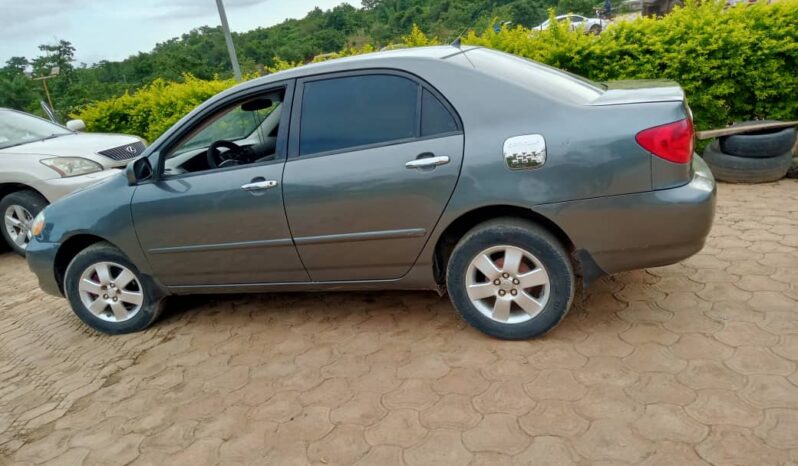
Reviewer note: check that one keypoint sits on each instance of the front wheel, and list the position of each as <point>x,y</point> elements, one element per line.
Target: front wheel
<point>108,293</point>
<point>18,210</point>
<point>511,279</point>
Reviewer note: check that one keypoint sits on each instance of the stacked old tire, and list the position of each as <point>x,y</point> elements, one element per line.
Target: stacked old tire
<point>751,157</point>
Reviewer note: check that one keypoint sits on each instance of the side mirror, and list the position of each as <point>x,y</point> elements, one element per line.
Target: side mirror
<point>138,170</point>
<point>76,125</point>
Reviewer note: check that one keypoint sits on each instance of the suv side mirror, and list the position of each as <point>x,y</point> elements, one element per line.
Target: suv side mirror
<point>76,125</point>
<point>138,170</point>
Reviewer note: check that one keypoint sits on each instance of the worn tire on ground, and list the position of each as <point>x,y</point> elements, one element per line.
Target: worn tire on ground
<point>734,169</point>
<point>758,144</point>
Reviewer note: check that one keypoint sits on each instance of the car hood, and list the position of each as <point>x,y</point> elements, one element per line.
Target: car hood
<point>86,145</point>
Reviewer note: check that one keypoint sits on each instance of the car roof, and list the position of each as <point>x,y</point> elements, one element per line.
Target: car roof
<point>382,59</point>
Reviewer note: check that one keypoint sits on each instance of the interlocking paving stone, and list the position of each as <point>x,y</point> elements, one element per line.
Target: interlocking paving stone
<point>693,363</point>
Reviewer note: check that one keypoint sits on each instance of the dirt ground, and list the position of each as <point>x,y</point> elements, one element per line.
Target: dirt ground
<point>693,363</point>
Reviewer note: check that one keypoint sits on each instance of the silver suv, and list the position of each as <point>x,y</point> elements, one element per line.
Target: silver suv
<point>41,162</point>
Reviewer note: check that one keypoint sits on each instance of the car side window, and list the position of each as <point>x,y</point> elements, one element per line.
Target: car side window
<point>435,118</point>
<point>353,111</point>
<point>241,134</point>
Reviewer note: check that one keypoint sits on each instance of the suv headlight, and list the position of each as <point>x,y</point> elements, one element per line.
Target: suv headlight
<point>72,166</point>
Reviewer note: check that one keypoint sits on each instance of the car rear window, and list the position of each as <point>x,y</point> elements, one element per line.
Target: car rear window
<point>354,111</point>
<point>536,76</point>
<point>435,118</point>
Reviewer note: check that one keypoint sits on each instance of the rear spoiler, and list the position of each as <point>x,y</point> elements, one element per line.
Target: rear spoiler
<point>639,92</point>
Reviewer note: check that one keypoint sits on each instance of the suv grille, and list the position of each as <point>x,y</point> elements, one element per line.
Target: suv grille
<point>128,151</point>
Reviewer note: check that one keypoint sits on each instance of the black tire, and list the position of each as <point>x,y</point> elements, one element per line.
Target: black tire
<point>103,252</point>
<point>31,201</point>
<point>759,144</point>
<point>734,169</point>
<point>595,29</point>
<point>532,238</point>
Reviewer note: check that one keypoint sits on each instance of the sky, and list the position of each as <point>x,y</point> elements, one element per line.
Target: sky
<point>115,29</point>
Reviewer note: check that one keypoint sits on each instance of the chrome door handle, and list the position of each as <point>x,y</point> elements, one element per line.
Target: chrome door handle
<point>259,185</point>
<point>428,162</point>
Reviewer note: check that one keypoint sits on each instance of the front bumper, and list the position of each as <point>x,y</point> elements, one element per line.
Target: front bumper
<point>635,231</point>
<point>57,188</point>
<point>41,261</point>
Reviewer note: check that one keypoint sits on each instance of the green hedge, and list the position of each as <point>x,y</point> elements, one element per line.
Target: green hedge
<point>152,109</point>
<point>735,64</point>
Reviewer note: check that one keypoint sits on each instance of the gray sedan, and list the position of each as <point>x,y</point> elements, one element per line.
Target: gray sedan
<point>458,169</point>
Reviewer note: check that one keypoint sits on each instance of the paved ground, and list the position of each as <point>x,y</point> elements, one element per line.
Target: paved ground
<point>689,364</point>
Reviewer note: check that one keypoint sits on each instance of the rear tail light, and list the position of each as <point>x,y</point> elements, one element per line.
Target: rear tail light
<point>673,142</point>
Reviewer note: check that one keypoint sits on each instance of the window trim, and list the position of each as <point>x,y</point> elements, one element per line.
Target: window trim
<point>296,111</point>
<point>229,101</point>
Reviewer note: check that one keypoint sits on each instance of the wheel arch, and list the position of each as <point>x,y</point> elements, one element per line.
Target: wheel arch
<point>465,222</point>
<point>8,188</point>
<point>69,249</point>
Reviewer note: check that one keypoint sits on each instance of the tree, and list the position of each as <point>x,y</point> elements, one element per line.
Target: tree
<point>529,13</point>
<point>61,54</point>
<point>16,65</point>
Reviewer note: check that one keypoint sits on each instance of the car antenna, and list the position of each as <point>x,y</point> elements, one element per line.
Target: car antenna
<point>457,42</point>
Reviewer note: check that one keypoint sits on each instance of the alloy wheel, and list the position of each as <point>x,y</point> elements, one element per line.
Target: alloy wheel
<point>18,225</point>
<point>507,284</point>
<point>111,291</point>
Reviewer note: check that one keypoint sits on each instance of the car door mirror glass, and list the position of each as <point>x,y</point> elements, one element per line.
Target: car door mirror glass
<point>138,170</point>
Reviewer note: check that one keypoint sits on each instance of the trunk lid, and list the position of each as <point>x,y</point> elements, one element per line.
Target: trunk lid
<point>669,141</point>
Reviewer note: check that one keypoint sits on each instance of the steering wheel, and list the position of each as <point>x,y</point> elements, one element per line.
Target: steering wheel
<point>218,159</point>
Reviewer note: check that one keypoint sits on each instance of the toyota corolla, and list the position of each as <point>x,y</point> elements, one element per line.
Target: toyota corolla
<point>457,169</point>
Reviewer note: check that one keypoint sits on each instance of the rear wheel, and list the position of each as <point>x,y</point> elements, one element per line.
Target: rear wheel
<point>510,279</point>
<point>108,293</point>
<point>18,211</point>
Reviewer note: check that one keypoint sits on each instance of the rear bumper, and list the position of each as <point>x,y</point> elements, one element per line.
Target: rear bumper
<point>41,261</point>
<point>635,231</point>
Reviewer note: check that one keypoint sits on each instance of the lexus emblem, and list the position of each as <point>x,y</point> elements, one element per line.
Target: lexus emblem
<point>131,149</point>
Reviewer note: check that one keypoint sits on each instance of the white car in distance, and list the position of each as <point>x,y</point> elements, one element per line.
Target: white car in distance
<point>591,25</point>
<point>41,162</point>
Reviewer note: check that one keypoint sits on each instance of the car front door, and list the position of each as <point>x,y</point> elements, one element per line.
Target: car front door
<point>201,224</point>
<point>374,158</point>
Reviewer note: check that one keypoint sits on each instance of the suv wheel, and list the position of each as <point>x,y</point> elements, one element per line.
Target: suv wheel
<point>510,279</point>
<point>108,293</point>
<point>18,211</point>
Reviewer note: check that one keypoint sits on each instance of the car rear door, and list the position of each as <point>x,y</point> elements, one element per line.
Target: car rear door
<point>373,159</point>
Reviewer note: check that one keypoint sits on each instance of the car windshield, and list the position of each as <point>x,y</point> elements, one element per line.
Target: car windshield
<point>19,128</point>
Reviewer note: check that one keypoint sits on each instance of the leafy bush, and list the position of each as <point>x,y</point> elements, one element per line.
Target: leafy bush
<point>152,109</point>
<point>734,64</point>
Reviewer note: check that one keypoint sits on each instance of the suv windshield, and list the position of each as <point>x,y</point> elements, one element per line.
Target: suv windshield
<point>19,128</point>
